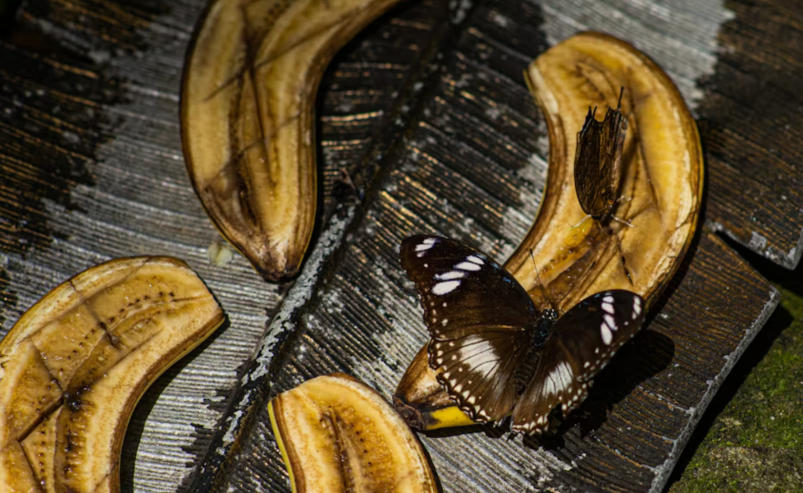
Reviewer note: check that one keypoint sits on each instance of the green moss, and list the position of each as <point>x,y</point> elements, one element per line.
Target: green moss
<point>756,442</point>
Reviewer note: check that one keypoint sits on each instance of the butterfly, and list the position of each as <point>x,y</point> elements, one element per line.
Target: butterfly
<point>598,162</point>
<point>494,351</point>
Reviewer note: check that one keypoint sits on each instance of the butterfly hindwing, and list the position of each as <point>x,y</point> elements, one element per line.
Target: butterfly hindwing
<point>479,319</point>
<point>582,343</point>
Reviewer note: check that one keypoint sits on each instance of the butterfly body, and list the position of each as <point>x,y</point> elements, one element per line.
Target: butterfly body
<point>495,353</point>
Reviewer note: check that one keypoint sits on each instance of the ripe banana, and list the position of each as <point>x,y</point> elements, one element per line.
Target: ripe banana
<point>74,366</point>
<point>337,434</point>
<point>247,119</point>
<point>662,178</point>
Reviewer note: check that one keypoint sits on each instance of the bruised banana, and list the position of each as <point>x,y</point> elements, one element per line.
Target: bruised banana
<point>74,366</point>
<point>247,119</point>
<point>661,188</point>
<point>337,434</point>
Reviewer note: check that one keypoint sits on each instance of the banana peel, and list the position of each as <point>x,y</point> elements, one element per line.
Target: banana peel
<point>74,366</point>
<point>248,122</point>
<point>337,434</point>
<point>574,256</point>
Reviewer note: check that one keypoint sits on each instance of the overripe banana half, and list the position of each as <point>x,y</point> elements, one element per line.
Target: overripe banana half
<point>662,178</point>
<point>74,366</point>
<point>247,118</point>
<point>337,434</point>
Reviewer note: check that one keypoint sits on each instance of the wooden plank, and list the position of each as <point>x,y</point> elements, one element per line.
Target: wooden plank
<point>738,66</point>
<point>749,121</point>
<point>367,320</point>
<point>92,168</point>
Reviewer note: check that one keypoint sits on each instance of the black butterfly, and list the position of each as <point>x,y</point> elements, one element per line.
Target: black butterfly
<point>497,352</point>
<point>598,162</point>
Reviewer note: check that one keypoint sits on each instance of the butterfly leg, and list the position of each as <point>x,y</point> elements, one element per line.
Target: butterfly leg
<point>581,221</point>
<point>543,290</point>
<point>623,221</point>
<point>613,233</point>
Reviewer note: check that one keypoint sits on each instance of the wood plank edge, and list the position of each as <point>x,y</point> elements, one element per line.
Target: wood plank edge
<point>665,471</point>
<point>761,246</point>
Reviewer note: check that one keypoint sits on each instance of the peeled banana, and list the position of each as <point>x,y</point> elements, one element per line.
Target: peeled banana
<point>662,178</point>
<point>248,124</point>
<point>337,434</point>
<point>74,366</point>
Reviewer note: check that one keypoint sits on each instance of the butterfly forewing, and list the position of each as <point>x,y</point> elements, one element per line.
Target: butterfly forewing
<point>479,318</point>
<point>597,162</point>
<point>582,343</point>
<point>598,326</point>
<point>462,290</point>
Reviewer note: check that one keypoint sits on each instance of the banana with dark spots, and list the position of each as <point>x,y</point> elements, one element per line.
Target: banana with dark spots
<point>248,122</point>
<point>74,366</point>
<point>337,434</point>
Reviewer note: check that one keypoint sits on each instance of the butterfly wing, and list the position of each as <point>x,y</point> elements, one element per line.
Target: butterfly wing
<point>583,342</point>
<point>597,162</point>
<point>479,318</point>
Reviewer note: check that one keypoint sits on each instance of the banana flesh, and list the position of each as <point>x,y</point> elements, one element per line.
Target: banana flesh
<point>74,366</point>
<point>337,434</point>
<point>247,119</point>
<point>662,178</point>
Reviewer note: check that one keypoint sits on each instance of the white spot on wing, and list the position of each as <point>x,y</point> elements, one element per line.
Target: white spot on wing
<point>607,308</point>
<point>610,322</point>
<point>468,266</point>
<point>636,307</point>
<point>606,334</point>
<point>559,379</point>
<point>475,259</point>
<point>448,276</point>
<point>444,287</point>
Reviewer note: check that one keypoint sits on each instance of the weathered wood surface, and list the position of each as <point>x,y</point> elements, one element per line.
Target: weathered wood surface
<point>91,167</point>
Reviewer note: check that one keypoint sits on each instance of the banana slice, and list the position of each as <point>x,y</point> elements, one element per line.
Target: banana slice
<point>248,124</point>
<point>74,366</point>
<point>337,434</point>
<point>662,179</point>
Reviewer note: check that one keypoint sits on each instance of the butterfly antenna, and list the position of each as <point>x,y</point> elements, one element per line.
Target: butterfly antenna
<point>621,93</point>
<point>538,277</point>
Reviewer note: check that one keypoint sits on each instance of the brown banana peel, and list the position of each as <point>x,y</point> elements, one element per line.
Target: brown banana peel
<point>662,178</point>
<point>337,434</point>
<point>74,366</point>
<point>248,121</point>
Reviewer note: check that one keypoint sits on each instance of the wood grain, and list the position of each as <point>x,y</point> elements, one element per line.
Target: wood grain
<point>428,112</point>
<point>749,121</point>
